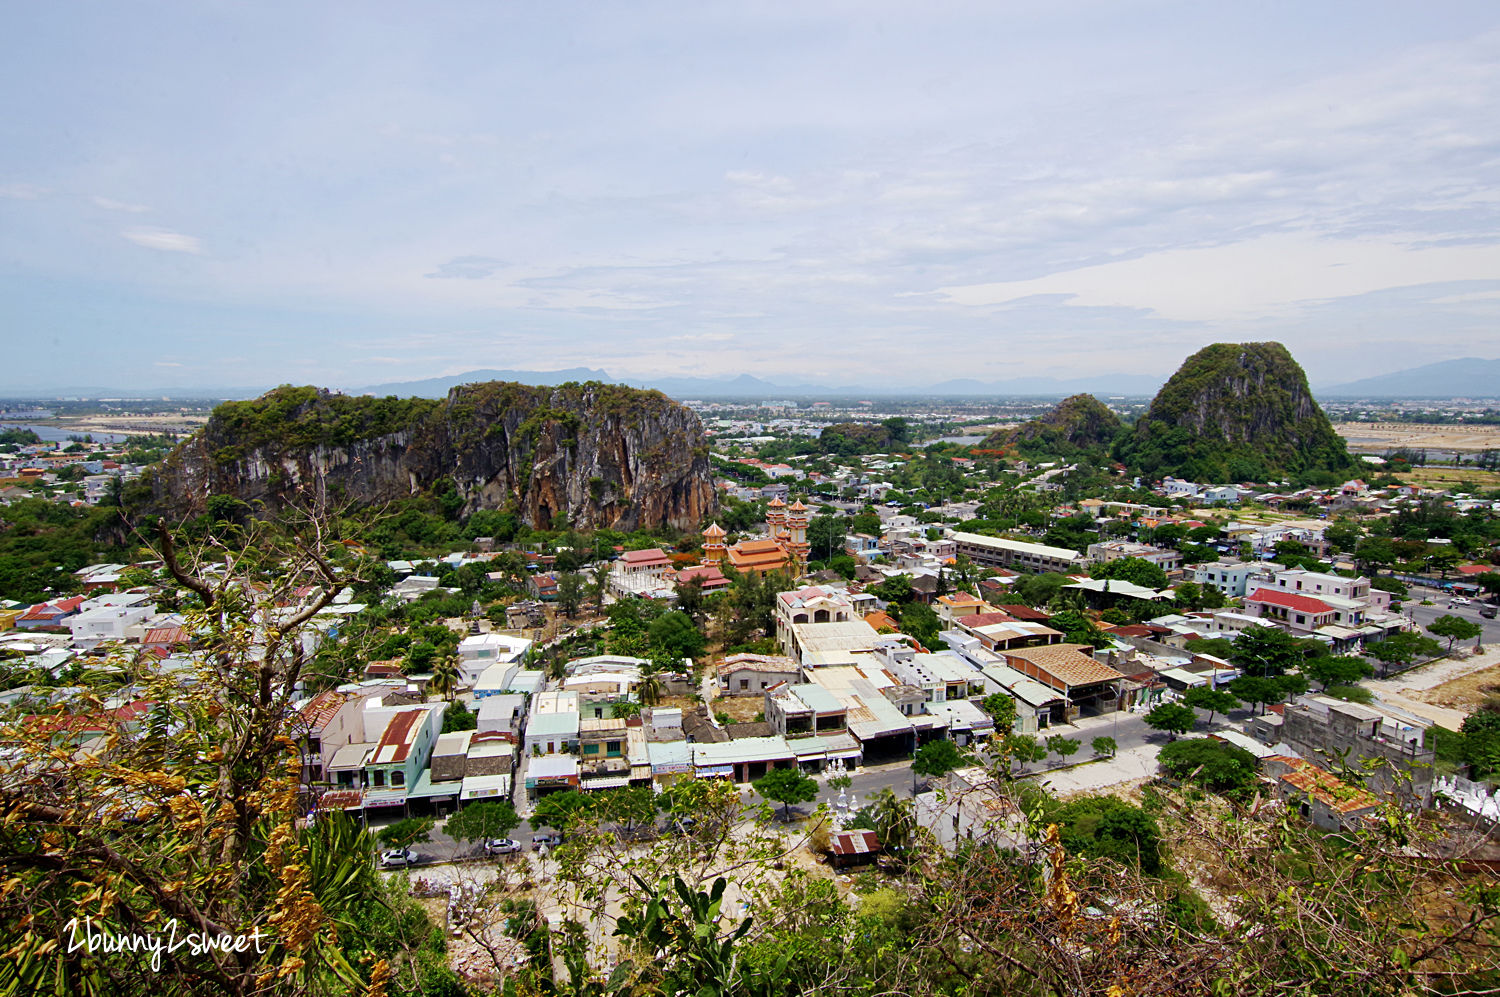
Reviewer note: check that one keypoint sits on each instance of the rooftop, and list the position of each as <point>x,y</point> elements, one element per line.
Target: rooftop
<point>1067,663</point>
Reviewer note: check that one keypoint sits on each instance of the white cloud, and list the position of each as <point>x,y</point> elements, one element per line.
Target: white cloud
<point>110,204</point>
<point>161,239</point>
<point>1255,278</point>
<point>22,191</point>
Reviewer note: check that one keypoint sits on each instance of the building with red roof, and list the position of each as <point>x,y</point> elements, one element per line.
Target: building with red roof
<point>1297,613</point>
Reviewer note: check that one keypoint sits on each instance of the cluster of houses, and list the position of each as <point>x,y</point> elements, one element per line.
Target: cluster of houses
<point>102,467</point>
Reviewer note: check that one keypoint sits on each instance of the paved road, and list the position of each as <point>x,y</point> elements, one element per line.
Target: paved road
<point>1424,615</point>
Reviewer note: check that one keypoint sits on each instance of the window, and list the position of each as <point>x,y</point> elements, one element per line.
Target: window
<point>613,747</point>
<point>590,749</point>
<point>377,779</point>
<point>744,685</point>
<point>398,778</point>
<point>1301,618</point>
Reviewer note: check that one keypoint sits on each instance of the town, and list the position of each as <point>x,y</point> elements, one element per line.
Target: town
<point>877,648</point>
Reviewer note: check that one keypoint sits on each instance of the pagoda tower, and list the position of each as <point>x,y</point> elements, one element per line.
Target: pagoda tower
<point>714,550</point>
<point>776,518</point>
<point>796,529</point>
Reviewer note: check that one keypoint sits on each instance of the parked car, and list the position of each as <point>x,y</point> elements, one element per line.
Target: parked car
<point>398,858</point>
<point>549,838</point>
<point>502,846</point>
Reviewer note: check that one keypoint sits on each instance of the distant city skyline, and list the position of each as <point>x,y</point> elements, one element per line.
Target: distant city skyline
<point>350,194</point>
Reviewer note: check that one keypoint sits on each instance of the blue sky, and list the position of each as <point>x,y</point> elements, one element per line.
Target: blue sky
<point>216,193</point>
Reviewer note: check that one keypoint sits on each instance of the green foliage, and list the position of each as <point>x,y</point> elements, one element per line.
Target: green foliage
<point>563,810</point>
<point>1213,700</point>
<point>1080,424</point>
<point>1132,569</point>
<point>1402,648</point>
<point>1174,718</point>
<point>674,636</point>
<point>459,717</point>
<point>1063,747</point>
<point>1454,628</point>
<point>1350,693</point>
<point>1106,827</point>
<point>1480,747</point>
<point>786,786</point>
<point>1078,629</point>
<point>1265,651</point>
<point>1002,710</point>
<point>937,758</point>
<point>918,620</point>
<point>485,820</point>
<point>1331,670</point>
<point>1215,765</point>
<point>1104,747</point>
<point>1235,412</point>
<point>411,831</point>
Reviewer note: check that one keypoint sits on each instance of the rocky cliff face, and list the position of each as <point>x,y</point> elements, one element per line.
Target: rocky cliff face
<point>602,455</point>
<point>1077,423</point>
<point>1236,412</point>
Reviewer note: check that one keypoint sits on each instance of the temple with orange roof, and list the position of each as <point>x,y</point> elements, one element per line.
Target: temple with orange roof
<point>784,548</point>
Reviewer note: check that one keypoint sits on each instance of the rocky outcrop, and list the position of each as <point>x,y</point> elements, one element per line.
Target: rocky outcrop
<point>1078,422</point>
<point>1236,412</point>
<point>600,455</point>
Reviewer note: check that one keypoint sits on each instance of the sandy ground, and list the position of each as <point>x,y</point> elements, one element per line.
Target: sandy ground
<point>1377,436</point>
<point>1122,775</point>
<point>1445,691</point>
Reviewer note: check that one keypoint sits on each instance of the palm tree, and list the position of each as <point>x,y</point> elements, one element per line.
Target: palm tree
<point>650,689</point>
<point>892,818</point>
<point>444,676</point>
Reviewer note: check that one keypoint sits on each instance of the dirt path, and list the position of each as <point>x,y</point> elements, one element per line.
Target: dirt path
<point>1445,691</point>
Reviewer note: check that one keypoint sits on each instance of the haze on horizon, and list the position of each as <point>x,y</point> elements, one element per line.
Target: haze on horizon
<point>345,194</point>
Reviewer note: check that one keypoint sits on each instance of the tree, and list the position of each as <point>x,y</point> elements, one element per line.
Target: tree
<point>1258,689</point>
<point>628,807</point>
<point>1402,648</point>
<point>411,831</point>
<point>563,810</point>
<point>675,636</point>
<point>1174,718</point>
<point>919,621</point>
<point>1266,650</point>
<point>1332,670</point>
<point>570,593</point>
<point>1078,629</point>
<point>483,821</point>
<point>690,598</point>
<point>1454,628</point>
<point>937,758</point>
<point>825,537</point>
<point>444,676</point>
<point>786,786</point>
<point>1064,747</point>
<point>1481,743</point>
<point>458,717</point>
<point>1213,700</point>
<point>1215,765</point>
<point>1137,570</point>
<point>1002,710</point>
<point>1104,747</point>
<point>1025,749</point>
<point>194,817</point>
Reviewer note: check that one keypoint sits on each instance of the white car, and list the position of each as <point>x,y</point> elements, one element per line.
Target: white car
<point>502,846</point>
<point>1457,600</point>
<point>398,858</point>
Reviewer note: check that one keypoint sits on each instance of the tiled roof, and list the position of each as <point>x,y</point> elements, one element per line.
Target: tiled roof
<point>1290,600</point>
<point>650,555</point>
<point>1067,664</point>
<point>1325,787</point>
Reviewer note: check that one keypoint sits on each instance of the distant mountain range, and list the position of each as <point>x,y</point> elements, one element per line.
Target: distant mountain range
<point>1467,378</point>
<point>1470,377</point>
<point>747,386</point>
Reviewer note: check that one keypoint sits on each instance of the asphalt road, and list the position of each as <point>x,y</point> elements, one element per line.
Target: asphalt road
<point>1425,615</point>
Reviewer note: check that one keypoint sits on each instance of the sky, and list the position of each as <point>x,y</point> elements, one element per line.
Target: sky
<point>214,193</point>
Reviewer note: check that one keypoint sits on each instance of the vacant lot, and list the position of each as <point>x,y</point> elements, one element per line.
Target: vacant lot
<point>1447,477</point>
<point>1376,437</point>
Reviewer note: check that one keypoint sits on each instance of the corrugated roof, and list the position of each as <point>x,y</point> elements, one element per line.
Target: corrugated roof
<point>1290,600</point>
